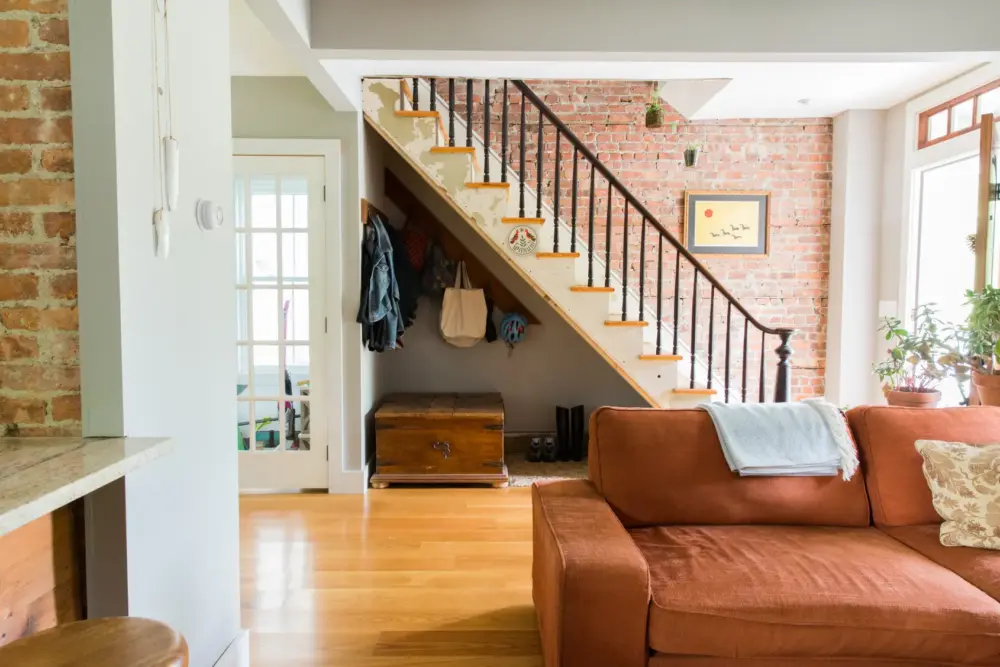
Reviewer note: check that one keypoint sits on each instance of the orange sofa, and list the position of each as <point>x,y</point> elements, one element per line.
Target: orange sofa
<point>666,558</point>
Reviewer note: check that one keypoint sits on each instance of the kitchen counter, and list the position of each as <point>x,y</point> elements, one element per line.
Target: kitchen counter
<point>40,475</point>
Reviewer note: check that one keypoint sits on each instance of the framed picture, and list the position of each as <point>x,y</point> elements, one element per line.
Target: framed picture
<point>726,222</point>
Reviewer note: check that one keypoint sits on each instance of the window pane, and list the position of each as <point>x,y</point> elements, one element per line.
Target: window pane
<point>295,258</point>
<point>266,380</point>
<point>937,125</point>
<point>241,258</point>
<point>297,424</point>
<point>267,424</point>
<point>297,365</point>
<point>989,102</point>
<point>263,202</point>
<point>265,257</point>
<point>961,116</point>
<point>240,202</point>
<point>265,314</point>
<point>242,370</point>
<point>243,409</point>
<point>294,203</point>
<point>242,315</point>
<point>296,307</point>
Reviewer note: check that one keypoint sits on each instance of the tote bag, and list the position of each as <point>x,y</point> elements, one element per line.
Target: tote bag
<point>463,314</point>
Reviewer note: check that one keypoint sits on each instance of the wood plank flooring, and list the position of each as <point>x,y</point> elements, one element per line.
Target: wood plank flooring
<point>422,577</point>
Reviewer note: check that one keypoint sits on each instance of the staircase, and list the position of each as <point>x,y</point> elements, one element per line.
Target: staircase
<point>503,159</point>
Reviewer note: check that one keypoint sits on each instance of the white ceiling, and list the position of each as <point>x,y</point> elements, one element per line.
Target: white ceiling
<point>754,90</point>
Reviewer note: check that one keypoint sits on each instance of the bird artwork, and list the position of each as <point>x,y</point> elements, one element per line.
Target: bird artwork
<point>726,232</point>
<point>745,228</point>
<point>714,235</point>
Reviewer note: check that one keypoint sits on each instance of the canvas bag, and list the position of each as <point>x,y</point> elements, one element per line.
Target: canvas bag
<point>463,314</point>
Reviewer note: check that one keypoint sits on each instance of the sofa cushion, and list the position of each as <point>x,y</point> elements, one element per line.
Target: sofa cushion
<point>792,591</point>
<point>980,567</point>
<point>659,467</point>
<point>887,436</point>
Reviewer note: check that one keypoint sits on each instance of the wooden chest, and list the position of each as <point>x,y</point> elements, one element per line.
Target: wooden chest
<point>439,438</point>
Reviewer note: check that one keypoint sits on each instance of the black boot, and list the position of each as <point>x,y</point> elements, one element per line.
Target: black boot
<point>564,446</point>
<point>578,438</point>
<point>534,454</point>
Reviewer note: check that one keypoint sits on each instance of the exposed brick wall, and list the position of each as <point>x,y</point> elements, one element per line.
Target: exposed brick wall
<point>39,350</point>
<point>790,158</point>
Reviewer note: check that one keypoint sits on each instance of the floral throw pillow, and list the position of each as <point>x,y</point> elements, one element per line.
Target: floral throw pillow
<point>965,486</point>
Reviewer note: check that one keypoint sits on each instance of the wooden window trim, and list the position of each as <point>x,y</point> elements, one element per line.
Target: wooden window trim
<point>923,123</point>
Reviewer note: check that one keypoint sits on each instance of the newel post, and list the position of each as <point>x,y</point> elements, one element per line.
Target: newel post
<point>783,383</point>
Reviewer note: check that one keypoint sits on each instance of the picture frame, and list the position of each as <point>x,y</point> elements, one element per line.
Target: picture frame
<point>730,223</point>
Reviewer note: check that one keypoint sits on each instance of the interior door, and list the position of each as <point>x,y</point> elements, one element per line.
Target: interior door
<point>281,322</point>
<point>987,245</point>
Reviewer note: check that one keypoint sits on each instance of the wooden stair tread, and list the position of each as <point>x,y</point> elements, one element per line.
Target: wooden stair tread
<point>626,323</point>
<point>410,113</point>
<point>697,391</point>
<point>595,288</point>
<point>522,221</point>
<point>480,184</point>
<point>468,150</point>
<point>661,357</point>
<point>557,255</point>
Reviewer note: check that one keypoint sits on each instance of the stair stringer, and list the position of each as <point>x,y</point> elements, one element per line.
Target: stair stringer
<point>414,136</point>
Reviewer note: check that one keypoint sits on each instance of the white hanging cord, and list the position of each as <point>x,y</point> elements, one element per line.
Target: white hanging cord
<point>157,101</point>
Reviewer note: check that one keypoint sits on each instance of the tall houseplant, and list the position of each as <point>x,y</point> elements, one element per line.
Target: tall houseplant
<point>917,359</point>
<point>984,342</point>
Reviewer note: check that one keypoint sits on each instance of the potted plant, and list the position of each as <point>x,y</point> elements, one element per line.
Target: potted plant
<point>984,342</point>
<point>654,110</point>
<point>691,154</point>
<point>916,363</point>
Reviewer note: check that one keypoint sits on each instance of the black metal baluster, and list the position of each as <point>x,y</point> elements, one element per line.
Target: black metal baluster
<point>538,167</point>
<point>433,83</point>
<point>760,397</point>
<point>729,331</point>
<point>416,94</point>
<point>451,112</point>
<point>468,113</point>
<point>486,131</point>
<point>711,333</point>
<point>572,234</point>
<point>523,148</point>
<point>659,297</point>
<point>642,274</point>
<point>783,381</point>
<point>625,267</point>
<point>590,233</point>
<point>694,322</point>
<point>555,211</point>
<point>746,329</point>
<point>607,243</point>
<point>504,139</point>
<point>677,298</point>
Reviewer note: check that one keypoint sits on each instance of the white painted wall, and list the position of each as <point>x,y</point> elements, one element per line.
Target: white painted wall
<point>253,50</point>
<point>553,366</point>
<point>855,225</point>
<point>157,336</point>
<point>570,29</point>
<point>291,108</point>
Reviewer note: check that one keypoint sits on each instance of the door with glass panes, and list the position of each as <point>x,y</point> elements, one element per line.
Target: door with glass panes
<point>280,319</point>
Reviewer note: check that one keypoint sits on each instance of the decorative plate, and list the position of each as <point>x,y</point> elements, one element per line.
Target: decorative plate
<point>522,240</point>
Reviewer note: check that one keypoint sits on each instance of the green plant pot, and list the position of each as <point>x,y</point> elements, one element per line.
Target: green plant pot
<point>654,117</point>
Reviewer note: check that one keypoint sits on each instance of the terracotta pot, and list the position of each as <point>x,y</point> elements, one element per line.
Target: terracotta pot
<point>914,399</point>
<point>987,387</point>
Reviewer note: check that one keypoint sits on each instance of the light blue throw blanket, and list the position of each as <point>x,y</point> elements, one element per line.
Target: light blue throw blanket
<point>809,438</point>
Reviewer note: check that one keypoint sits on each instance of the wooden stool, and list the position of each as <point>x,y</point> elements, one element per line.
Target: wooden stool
<point>101,642</point>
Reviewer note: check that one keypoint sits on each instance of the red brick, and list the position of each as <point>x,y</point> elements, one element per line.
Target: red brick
<point>14,98</point>
<point>15,131</point>
<point>38,6</point>
<point>66,408</point>
<point>48,431</point>
<point>15,224</point>
<point>62,225</point>
<point>18,286</point>
<point>13,348</point>
<point>15,162</point>
<point>58,160</point>
<point>63,287</point>
<point>57,98</point>
<point>61,319</point>
<point>20,319</point>
<point>60,347</point>
<point>37,256</point>
<point>51,66</point>
<point>54,31</point>
<point>36,192</point>
<point>14,34</point>
<point>34,378</point>
<point>22,410</point>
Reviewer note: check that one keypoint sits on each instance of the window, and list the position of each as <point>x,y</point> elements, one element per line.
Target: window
<point>958,116</point>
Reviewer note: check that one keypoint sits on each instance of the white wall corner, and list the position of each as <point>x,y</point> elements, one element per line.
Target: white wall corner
<point>238,653</point>
<point>855,243</point>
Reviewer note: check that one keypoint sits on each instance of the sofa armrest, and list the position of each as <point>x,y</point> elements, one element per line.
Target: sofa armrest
<point>590,583</point>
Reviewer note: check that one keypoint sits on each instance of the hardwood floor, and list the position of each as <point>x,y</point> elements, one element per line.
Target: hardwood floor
<point>398,577</point>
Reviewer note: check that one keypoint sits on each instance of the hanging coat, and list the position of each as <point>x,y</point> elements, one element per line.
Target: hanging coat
<point>378,312</point>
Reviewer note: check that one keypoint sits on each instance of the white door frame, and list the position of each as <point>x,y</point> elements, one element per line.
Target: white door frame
<point>340,481</point>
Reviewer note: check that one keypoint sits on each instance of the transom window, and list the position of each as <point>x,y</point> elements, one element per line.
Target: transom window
<point>959,115</point>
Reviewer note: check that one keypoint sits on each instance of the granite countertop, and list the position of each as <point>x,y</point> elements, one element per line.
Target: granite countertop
<point>40,475</point>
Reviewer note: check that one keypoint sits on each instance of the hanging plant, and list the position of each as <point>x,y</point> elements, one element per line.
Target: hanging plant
<point>971,240</point>
<point>654,109</point>
<point>691,154</point>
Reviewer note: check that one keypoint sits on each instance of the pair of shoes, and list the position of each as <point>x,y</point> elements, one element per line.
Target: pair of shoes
<point>572,441</point>
<point>534,454</point>
<point>542,450</point>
